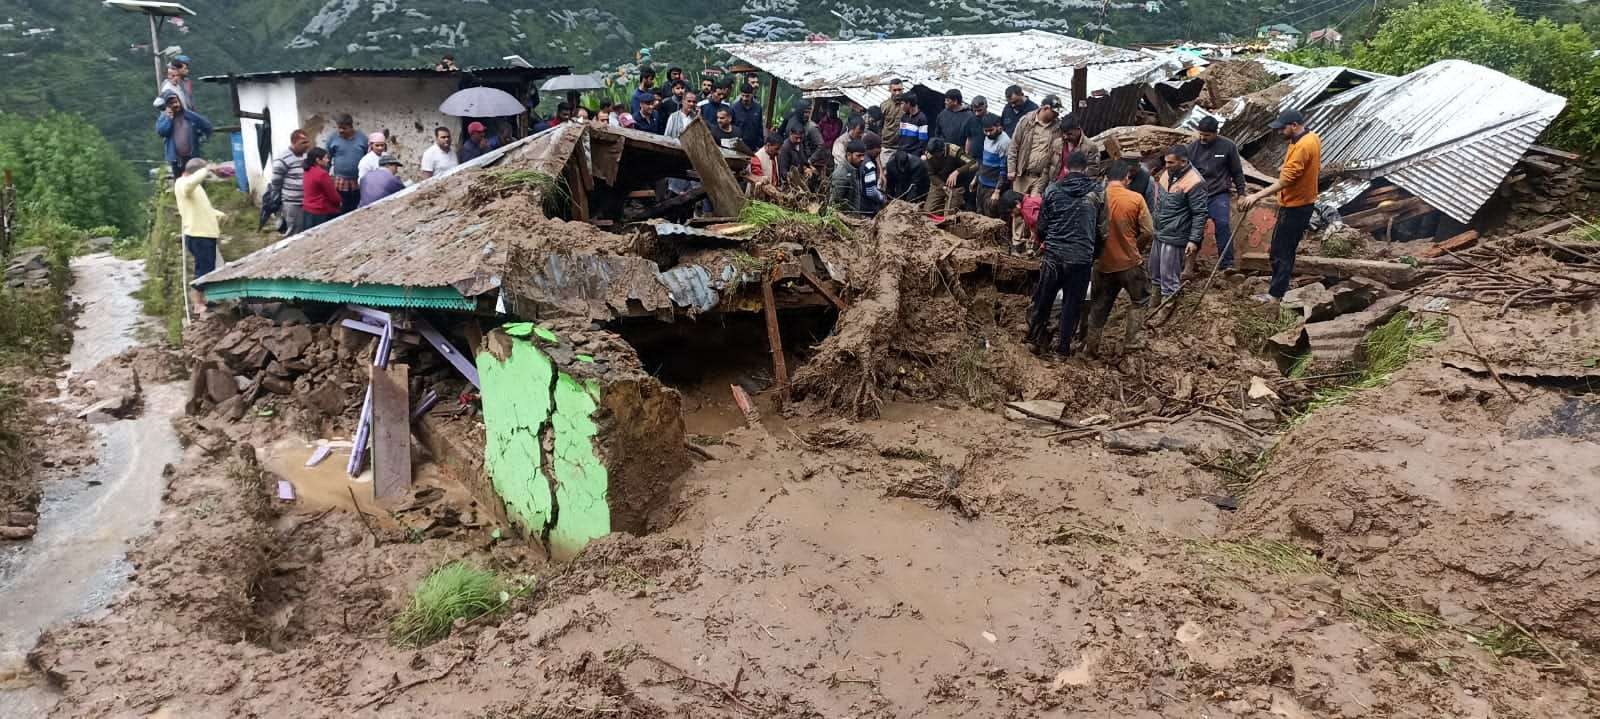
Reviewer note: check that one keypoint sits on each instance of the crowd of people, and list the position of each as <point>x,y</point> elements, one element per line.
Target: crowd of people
<point>1114,224</point>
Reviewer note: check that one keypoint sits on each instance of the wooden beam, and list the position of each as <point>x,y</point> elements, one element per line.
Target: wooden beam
<point>1393,274</point>
<point>1080,88</point>
<point>580,198</point>
<point>820,287</point>
<point>238,111</point>
<point>772,100</point>
<point>780,369</point>
<point>391,430</point>
<point>1551,151</point>
<point>721,185</point>
<point>667,206</point>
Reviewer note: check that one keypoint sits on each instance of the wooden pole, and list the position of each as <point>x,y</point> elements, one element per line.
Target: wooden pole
<point>780,369</point>
<point>772,103</point>
<point>1080,89</point>
<point>155,52</point>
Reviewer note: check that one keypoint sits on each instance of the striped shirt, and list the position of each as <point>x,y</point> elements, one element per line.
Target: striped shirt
<point>994,160</point>
<point>869,179</point>
<point>914,133</point>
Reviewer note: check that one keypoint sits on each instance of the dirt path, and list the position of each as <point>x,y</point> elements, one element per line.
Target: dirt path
<point>75,565</point>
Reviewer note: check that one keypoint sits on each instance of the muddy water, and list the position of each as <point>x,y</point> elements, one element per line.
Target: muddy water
<point>77,562</point>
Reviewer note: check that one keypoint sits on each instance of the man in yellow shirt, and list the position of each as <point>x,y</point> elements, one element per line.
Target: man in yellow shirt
<point>200,229</point>
<point>1297,198</point>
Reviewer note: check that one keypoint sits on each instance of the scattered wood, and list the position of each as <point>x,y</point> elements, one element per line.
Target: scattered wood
<point>1486,363</point>
<point>1022,408</point>
<point>1069,435</point>
<point>1393,274</point>
<point>709,162</point>
<point>1459,242</point>
<point>390,695</point>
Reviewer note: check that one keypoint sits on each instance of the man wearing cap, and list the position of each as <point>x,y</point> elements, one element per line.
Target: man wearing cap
<point>1139,179</point>
<point>184,131</point>
<point>1180,217</point>
<point>382,181</point>
<point>1217,159</point>
<point>892,111</point>
<point>1072,222</point>
<point>377,147</point>
<point>1033,158</point>
<point>1297,198</point>
<point>345,150</point>
<point>992,166</point>
<point>957,125</point>
<point>476,143</point>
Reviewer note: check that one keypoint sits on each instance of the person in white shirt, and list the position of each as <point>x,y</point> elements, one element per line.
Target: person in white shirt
<point>680,120</point>
<point>440,157</point>
<point>377,147</point>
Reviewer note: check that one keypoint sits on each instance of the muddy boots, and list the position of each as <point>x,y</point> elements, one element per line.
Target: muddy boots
<point>1134,339</point>
<point>1091,343</point>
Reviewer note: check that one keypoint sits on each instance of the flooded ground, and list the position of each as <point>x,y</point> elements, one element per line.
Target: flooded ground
<point>75,565</point>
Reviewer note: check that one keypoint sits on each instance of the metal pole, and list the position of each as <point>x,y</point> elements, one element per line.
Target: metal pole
<point>155,52</point>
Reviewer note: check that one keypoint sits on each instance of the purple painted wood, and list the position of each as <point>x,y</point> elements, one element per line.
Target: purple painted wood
<point>360,326</point>
<point>358,454</point>
<point>462,364</point>
<point>428,401</point>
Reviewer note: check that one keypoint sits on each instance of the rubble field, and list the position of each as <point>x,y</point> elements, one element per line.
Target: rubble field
<point>939,523</point>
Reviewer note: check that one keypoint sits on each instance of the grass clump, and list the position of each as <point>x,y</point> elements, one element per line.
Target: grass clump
<point>1387,349</point>
<point>1504,640</point>
<point>554,195</point>
<point>1384,615</point>
<point>762,214</point>
<point>971,374</point>
<point>1273,555</point>
<point>457,590</point>
<point>1256,324</point>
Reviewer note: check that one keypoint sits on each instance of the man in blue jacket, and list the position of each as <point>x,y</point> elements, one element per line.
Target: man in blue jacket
<point>184,130</point>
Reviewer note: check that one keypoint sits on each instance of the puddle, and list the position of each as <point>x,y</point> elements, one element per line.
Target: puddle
<point>329,486</point>
<point>77,562</point>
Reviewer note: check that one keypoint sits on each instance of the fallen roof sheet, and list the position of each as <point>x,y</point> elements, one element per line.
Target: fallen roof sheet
<point>1448,133</point>
<point>1039,62</point>
<point>1245,118</point>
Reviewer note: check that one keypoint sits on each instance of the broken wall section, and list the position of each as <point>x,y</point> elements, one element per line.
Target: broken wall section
<point>580,441</point>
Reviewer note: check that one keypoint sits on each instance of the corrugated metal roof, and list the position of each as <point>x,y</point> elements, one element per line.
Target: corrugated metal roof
<point>531,72</point>
<point>1245,119</point>
<point>1448,133</point>
<point>1039,62</point>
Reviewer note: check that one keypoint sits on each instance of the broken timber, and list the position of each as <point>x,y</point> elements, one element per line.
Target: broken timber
<point>780,369</point>
<point>706,156</point>
<point>391,430</point>
<point>1393,274</point>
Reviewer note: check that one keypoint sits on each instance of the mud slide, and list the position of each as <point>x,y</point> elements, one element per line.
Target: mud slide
<point>75,564</point>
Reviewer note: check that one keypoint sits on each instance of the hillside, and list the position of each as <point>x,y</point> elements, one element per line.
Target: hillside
<point>79,56</point>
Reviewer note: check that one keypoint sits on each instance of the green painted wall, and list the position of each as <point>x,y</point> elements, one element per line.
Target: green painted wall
<point>521,394</point>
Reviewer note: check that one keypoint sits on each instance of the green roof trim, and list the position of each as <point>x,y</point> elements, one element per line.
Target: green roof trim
<point>439,298</point>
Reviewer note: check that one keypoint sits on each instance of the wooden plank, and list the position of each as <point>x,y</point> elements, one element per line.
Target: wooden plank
<point>391,431</point>
<point>1459,242</point>
<point>780,369</point>
<point>820,287</point>
<point>579,198</point>
<point>1393,274</point>
<point>721,185</point>
<point>1548,168</point>
<point>1551,151</point>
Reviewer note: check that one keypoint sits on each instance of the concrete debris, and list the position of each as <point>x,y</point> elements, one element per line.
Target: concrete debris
<point>1335,341</point>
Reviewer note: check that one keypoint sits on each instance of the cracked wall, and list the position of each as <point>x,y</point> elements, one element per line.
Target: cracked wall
<point>579,441</point>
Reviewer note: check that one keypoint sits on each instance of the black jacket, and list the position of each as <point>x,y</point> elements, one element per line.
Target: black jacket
<point>957,129</point>
<point>1072,220</point>
<point>908,178</point>
<point>1010,115</point>
<point>1219,163</point>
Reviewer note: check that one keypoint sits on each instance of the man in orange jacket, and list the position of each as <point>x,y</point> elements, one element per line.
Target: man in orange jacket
<point>1297,198</point>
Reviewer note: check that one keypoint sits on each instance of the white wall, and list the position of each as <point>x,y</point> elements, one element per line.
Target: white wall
<point>278,97</point>
<point>406,107</point>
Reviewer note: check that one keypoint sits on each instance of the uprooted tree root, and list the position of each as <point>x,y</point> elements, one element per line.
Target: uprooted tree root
<point>847,373</point>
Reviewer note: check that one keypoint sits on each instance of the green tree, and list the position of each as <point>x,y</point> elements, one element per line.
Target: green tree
<point>65,169</point>
<point>1554,57</point>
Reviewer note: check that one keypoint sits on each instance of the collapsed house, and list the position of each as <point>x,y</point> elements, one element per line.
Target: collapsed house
<point>519,283</point>
<point>1407,157</point>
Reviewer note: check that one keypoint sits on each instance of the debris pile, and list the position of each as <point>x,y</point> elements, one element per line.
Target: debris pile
<point>1229,79</point>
